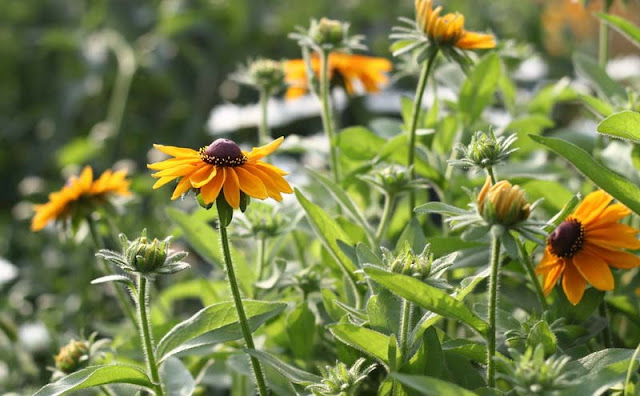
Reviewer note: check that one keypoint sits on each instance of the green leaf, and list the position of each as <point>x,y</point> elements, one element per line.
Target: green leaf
<point>359,143</point>
<point>619,187</point>
<point>96,376</point>
<point>214,324</point>
<point>301,329</point>
<point>623,26</point>
<point>596,105</point>
<point>396,151</point>
<point>480,87</point>
<point>329,233</point>
<point>598,77</point>
<point>200,235</point>
<point>440,208</point>
<point>427,297</point>
<point>345,201</point>
<point>602,370</point>
<point>540,333</point>
<point>293,374</point>
<point>366,340</point>
<point>623,125</point>
<point>430,386</point>
<point>176,379</point>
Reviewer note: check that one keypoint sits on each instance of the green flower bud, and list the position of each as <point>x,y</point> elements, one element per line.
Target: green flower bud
<point>267,74</point>
<point>484,151</point>
<point>328,32</point>
<point>72,356</point>
<point>340,380</point>
<point>147,256</point>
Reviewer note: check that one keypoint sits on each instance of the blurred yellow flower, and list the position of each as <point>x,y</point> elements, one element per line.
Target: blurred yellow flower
<point>222,166</point>
<point>78,191</point>
<point>354,69</point>
<point>586,244</point>
<point>448,29</point>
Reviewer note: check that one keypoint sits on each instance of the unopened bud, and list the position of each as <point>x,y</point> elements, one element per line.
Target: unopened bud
<point>327,31</point>
<point>72,356</point>
<point>502,203</point>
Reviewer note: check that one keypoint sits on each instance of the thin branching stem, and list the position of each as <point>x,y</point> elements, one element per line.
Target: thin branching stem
<point>405,323</point>
<point>387,212</point>
<point>525,258</point>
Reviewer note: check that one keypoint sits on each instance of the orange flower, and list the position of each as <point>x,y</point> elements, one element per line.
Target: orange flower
<point>79,190</point>
<point>448,29</point>
<point>222,166</point>
<point>586,244</point>
<point>366,70</point>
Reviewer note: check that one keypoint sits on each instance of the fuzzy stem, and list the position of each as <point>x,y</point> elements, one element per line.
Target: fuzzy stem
<point>121,296</point>
<point>493,306</point>
<point>632,364</point>
<point>242,317</point>
<point>387,212</point>
<point>528,267</point>
<point>263,130</point>
<point>603,44</point>
<point>327,115</point>
<point>491,174</point>
<point>405,322</point>
<point>415,116</point>
<point>145,334</point>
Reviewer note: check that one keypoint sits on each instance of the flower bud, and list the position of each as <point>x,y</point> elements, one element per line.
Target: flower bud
<point>485,151</point>
<point>502,203</point>
<point>267,74</point>
<point>147,256</point>
<point>72,356</point>
<point>328,32</point>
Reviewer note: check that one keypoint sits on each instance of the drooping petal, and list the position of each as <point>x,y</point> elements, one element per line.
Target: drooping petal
<point>231,188</point>
<point>162,181</point>
<point>203,176</point>
<point>280,183</point>
<point>551,277</point>
<point>573,284</point>
<point>472,40</point>
<point>183,186</point>
<point>176,151</point>
<point>271,187</point>
<point>261,152</point>
<point>178,171</point>
<point>594,269</point>
<point>250,184</point>
<point>172,162</point>
<point>614,258</point>
<point>211,190</point>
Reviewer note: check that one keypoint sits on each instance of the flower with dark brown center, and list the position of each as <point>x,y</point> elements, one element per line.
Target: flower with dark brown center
<point>223,152</point>
<point>567,239</point>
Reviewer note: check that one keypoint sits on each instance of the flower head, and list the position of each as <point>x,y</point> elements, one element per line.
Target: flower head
<point>327,35</point>
<point>583,247</point>
<point>420,266</point>
<point>222,167</point>
<point>484,151</point>
<point>263,74</point>
<point>502,203</point>
<point>80,194</point>
<point>354,70</point>
<point>78,354</point>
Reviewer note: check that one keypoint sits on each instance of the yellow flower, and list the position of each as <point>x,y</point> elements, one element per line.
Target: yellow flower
<point>82,189</point>
<point>502,203</point>
<point>586,244</point>
<point>366,70</point>
<point>222,166</point>
<point>448,29</point>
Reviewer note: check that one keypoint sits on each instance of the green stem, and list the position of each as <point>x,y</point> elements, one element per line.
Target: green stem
<point>145,334</point>
<point>242,317</point>
<point>121,296</point>
<point>415,116</point>
<point>603,44</point>
<point>263,130</point>
<point>491,174</point>
<point>632,364</point>
<point>528,267</point>
<point>493,306</point>
<point>262,249</point>
<point>387,212</point>
<point>405,322</point>
<point>607,337</point>
<point>327,118</point>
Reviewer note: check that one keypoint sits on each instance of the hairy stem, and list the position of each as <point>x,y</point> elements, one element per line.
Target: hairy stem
<point>242,317</point>
<point>405,322</point>
<point>327,115</point>
<point>387,212</point>
<point>491,174</point>
<point>145,334</point>
<point>493,306</point>
<point>415,116</point>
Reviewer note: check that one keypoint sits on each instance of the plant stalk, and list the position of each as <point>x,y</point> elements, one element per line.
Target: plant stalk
<point>607,337</point>
<point>146,336</point>
<point>415,116</point>
<point>528,267</point>
<point>385,218</point>
<point>242,317</point>
<point>632,365</point>
<point>405,322</point>
<point>263,130</point>
<point>491,174</point>
<point>327,115</point>
<point>262,251</point>
<point>493,306</point>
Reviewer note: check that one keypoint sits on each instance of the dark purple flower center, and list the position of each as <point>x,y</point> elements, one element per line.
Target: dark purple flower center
<point>223,152</point>
<point>567,238</point>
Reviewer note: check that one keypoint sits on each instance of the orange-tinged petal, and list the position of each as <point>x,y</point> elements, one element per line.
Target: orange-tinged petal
<point>614,258</point>
<point>472,40</point>
<point>592,206</point>
<point>261,152</point>
<point>162,181</point>
<point>548,261</point>
<point>272,189</point>
<point>280,183</point>
<point>85,179</point>
<point>210,191</point>
<point>612,214</point>
<point>169,163</point>
<point>180,170</point>
<point>231,188</point>
<point>176,151</point>
<point>250,184</point>
<point>203,176</point>
<point>594,269</point>
<point>183,186</point>
<point>573,284</point>
<point>551,277</point>
<point>615,236</point>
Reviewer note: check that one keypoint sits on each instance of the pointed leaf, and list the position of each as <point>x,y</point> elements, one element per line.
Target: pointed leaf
<point>96,376</point>
<point>623,125</point>
<point>430,386</point>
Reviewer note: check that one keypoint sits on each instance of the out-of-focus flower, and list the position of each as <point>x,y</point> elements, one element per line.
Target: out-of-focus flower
<point>393,180</point>
<point>78,354</point>
<point>340,380</point>
<point>420,266</point>
<point>354,70</point>
<point>80,196</point>
<point>265,75</point>
<point>586,244</point>
<point>502,203</point>
<point>222,167</point>
<point>327,35</point>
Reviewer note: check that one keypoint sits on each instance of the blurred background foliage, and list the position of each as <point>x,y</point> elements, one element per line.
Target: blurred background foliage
<point>98,81</point>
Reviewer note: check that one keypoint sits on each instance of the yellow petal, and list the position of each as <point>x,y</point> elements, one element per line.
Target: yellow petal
<point>176,151</point>
<point>594,269</point>
<point>203,176</point>
<point>250,184</point>
<point>551,277</point>
<point>573,284</point>
<point>615,236</point>
<point>231,188</point>
<point>472,40</point>
<point>614,258</point>
<point>162,181</point>
<point>592,206</point>
<point>280,183</point>
<point>261,152</point>
<point>211,190</point>
<point>183,186</point>
<point>179,170</point>
<point>272,189</point>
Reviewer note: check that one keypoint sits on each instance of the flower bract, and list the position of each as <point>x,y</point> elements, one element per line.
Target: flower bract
<point>582,249</point>
<point>80,192</point>
<point>222,167</point>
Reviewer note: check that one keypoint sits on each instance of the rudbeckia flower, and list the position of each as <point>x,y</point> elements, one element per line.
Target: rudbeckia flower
<point>79,192</point>
<point>582,249</point>
<point>448,29</point>
<point>368,71</point>
<point>222,166</point>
